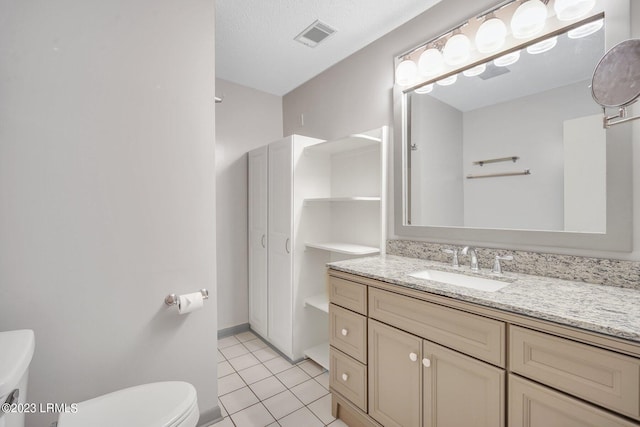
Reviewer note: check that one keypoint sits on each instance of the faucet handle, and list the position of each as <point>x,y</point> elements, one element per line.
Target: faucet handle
<point>497,268</point>
<point>454,252</point>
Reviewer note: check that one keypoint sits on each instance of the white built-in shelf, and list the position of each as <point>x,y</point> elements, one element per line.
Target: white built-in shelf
<point>320,301</point>
<point>350,143</point>
<point>342,199</point>
<point>319,354</point>
<point>344,248</point>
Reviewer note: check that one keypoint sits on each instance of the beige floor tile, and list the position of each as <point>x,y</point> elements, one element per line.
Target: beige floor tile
<point>224,369</point>
<point>238,400</point>
<point>229,383</point>
<point>267,387</point>
<point>322,409</point>
<point>253,416</point>
<point>242,362</point>
<point>282,404</point>
<point>323,379</point>
<point>245,336</point>
<point>266,353</point>
<point>254,374</point>
<point>256,344</point>
<point>227,342</point>
<point>292,377</point>
<point>234,351</point>
<point>278,364</point>
<point>302,417</point>
<point>309,391</point>
<point>311,368</point>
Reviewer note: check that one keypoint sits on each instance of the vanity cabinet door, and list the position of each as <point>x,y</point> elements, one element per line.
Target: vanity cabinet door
<point>460,390</point>
<point>395,376</point>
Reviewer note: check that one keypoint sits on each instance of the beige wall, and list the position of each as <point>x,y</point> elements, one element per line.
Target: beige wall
<point>356,94</point>
<point>246,119</point>
<point>107,193</point>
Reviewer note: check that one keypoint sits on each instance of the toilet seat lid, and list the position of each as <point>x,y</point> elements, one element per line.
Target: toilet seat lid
<point>161,404</point>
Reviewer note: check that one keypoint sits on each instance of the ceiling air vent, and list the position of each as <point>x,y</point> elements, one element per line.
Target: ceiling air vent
<point>314,34</point>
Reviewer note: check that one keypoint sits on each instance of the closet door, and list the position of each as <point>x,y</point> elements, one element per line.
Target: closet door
<point>280,307</point>
<point>258,239</point>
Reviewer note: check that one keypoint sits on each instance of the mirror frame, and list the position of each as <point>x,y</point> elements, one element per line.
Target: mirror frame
<point>619,232</point>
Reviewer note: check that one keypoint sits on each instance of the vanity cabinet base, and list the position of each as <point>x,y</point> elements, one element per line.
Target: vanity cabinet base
<point>352,416</point>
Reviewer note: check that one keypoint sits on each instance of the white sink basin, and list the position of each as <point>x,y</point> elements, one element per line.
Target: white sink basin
<point>472,282</point>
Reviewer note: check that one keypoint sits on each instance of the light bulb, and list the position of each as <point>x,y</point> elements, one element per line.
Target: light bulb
<point>529,19</point>
<point>568,10</point>
<point>586,29</point>
<point>425,89</point>
<point>508,59</point>
<point>448,81</point>
<point>491,35</point>
<point>430,62</point>
<point>543,46</point>
<point>457,49</point>
<point>478,69</point>
<point>406,73</point>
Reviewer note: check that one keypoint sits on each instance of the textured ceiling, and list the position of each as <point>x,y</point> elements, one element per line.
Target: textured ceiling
<point>254,38</point>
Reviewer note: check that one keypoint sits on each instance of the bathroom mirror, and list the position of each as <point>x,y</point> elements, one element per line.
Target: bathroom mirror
<point>517,155</point>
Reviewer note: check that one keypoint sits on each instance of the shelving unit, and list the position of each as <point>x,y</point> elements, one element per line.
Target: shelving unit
<point>343,216</point>
<point>350,143</point>
<point>319,301</point>
<point>319,354</point>
<point>344,248</point>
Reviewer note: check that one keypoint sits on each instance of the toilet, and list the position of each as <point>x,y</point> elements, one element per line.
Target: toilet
<point>160,404</point>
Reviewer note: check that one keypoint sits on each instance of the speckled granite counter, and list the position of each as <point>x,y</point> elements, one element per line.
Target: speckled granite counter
<point>605,309</point>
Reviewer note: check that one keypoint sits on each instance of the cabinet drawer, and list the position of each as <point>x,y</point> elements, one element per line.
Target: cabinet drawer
<point>349,378</point>
<point>533,405</point>
<point>603,377</point>
<point>348,332</point>
<point>350,295</point>
<point>468,333</point>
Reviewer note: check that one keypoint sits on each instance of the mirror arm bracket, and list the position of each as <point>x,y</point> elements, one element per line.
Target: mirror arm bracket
<point>609,121</point>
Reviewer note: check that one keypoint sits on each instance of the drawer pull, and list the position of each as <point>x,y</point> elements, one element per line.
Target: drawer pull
<point>413,357</point>
<point>426,362</point>
<point>345,377</point>
<point>344,332</point>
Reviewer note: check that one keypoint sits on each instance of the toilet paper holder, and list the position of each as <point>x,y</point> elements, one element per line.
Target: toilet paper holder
<point>172,299</point>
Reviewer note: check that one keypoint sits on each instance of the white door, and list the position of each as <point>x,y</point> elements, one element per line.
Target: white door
<point>280,311</point>
<point>258,162</point>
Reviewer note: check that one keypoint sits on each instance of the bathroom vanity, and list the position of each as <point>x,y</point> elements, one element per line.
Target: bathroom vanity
<point>539,352</point>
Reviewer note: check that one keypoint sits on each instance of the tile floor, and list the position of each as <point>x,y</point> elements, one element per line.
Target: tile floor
<point>258,388</point>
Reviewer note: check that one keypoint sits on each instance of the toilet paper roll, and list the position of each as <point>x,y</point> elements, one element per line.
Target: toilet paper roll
<point>190,302</point>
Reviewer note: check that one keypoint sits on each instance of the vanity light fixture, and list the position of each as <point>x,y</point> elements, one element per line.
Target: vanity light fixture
<point>567,10</point>
<point>543,46</point>
<point>406,73</point>
<point>424,89</point>
<point>586,29</point>
<point>448,81</point>
<point>431,62</point>
<point>457,49</point>
<point>491,35</point>
<point>475,71</point>
<point>508,59</point>
<point>529,19</point>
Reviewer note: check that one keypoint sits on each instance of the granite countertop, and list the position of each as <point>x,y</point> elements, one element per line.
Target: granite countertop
<point>604,309</point>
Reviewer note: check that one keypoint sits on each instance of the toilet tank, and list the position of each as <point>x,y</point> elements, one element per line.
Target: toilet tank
<point>16,351</point>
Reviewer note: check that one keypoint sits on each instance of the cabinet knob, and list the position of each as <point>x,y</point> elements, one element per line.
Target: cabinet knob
<point>345,377</point>
<point>344,332</point>
<point>426,362</point>
<point>413,357</point>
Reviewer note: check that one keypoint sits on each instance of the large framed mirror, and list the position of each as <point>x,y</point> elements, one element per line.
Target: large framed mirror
<point>515,154</point>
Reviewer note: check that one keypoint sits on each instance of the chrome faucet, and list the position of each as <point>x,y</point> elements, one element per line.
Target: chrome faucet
<point>473,256</point>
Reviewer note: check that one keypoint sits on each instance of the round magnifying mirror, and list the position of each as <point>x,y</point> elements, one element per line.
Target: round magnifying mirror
<point>616,79</point>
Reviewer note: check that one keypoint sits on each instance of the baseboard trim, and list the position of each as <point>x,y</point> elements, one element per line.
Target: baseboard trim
<point>222,333</point>
<point>210,417</point>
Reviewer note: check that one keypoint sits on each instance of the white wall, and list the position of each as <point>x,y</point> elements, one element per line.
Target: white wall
<point>246,119</point>
<point>107,193</point>
<point>437,194</point>
<point>356,93</point>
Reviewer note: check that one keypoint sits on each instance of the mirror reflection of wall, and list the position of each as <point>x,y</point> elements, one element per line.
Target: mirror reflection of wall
<point>539,109</point>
